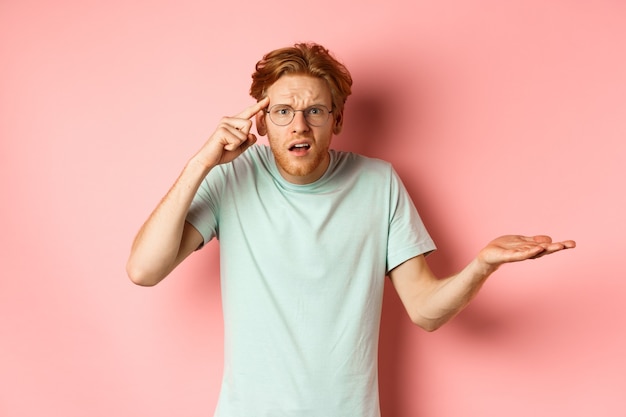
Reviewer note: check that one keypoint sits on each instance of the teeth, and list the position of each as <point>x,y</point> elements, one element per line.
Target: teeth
<point>300,146</point>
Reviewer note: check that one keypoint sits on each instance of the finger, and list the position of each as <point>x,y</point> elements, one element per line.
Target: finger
<point>542,239</point>
<point>243,145</point>
<point>231,146</point>
<point>555,247</point>
<point>569,244</point>
<point>230,136</point>
<point>254,109</point>
<point>547,242</point>
<point>248,142</point>
<point>239,125</point>
<point>235,129</point>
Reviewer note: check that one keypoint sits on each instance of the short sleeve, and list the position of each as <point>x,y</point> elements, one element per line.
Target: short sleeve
<point>203,213</point>
<point>408,236</point>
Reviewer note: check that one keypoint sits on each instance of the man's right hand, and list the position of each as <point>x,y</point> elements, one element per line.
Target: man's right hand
<point>231,138</point>
<point>166,239</point>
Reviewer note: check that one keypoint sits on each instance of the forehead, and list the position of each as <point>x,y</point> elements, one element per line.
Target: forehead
<point>299,89</point>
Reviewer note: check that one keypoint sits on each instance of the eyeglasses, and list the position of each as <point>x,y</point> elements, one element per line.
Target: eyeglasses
<point>282,115</point>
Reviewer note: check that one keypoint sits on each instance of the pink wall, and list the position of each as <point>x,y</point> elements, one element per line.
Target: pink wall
<point>502,117</point>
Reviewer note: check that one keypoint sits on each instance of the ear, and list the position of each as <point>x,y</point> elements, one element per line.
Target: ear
<point>338,124</point>
<point>261,128</point>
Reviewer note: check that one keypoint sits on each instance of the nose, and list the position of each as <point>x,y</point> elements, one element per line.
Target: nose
<point>299,123</point>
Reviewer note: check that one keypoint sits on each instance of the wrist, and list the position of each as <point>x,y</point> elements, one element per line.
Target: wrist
<point>484,267</point>
<point>199,166</point>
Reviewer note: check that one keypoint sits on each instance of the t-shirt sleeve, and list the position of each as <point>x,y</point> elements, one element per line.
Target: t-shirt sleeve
<point>408,236</point>
<point>203,213</point>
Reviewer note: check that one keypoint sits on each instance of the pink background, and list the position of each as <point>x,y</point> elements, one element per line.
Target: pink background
<point>501,117</point>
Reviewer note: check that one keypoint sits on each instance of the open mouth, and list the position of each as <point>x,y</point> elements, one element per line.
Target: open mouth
<point>300,147</point>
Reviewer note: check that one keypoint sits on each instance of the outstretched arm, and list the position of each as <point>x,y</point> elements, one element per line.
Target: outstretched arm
<point>431,302</point>
<point>166,239</point>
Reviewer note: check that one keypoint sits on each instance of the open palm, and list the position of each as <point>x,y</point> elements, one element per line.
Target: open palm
<point>515,248</point>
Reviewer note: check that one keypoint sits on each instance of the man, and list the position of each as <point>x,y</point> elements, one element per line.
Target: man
<point>307,235</point>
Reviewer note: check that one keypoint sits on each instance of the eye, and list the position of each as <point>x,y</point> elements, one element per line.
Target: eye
<point>282,110</point>
<point>316,111</point>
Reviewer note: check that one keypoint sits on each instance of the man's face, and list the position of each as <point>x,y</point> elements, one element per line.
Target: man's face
<point>300,150</point>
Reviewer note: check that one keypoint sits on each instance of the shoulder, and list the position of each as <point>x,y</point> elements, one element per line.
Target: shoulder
<point>363,165</point>
<point>254,155</point>
<point>233,174</point>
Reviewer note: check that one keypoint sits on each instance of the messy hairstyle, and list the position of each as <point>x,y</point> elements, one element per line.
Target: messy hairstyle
<point>303,59</point>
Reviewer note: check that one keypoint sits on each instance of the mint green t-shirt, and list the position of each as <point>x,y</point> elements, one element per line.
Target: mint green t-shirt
<point>302,276</point>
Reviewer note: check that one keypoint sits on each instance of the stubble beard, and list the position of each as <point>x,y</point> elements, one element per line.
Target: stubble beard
<point>299,167</point>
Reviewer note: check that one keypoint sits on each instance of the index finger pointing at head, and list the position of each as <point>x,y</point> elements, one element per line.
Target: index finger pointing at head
<point>254,109</point>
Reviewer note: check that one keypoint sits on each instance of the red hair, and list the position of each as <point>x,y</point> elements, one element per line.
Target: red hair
<point>303,59</point>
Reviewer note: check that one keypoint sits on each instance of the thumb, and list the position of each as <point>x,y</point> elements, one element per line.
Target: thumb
<point>249,142</point>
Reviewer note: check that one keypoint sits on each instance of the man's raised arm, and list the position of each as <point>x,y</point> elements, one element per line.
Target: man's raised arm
<point>165,239</point>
